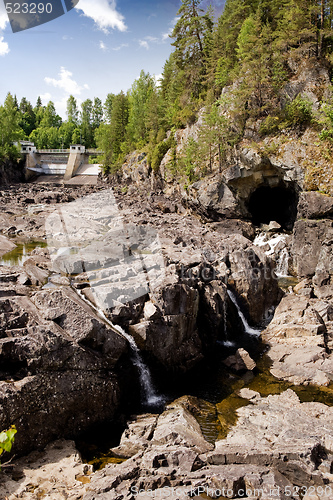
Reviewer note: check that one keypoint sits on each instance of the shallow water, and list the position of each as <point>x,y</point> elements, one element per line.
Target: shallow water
<point>21,253</point>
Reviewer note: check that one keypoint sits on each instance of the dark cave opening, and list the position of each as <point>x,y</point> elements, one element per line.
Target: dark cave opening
<point>278,204</point>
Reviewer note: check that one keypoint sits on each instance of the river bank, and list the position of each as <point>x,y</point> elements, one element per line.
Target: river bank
<point>55,344</point>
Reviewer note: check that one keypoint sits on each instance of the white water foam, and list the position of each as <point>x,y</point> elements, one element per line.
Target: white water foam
<point>150,396</point>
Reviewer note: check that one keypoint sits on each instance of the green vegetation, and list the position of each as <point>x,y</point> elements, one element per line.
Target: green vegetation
<point>7,439</point>
<point>248,52</point>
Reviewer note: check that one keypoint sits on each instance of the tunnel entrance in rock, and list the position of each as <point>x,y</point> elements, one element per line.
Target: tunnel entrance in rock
<point>278,204</point>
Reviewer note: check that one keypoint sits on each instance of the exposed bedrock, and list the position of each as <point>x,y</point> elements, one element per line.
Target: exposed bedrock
<point>278,443</point>
<point>312,245</point>
<point>188,308</point>
<point>61,368</point>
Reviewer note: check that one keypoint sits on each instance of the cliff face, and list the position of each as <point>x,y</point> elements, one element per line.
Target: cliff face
<point>289,160</point>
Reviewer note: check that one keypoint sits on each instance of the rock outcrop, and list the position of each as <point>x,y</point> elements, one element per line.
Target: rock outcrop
<point>277,445</point>
<point>59,367</point>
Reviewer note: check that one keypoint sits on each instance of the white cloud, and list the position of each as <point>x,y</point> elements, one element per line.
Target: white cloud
<point>4,49</point>
<point>66,82</point>
<point>45,98</point>
<point>158,77</point>
<point>3,16</point>
<point>151,38</point>
<point>144,43</point>
<point>102,46</point>
<point>61,106</point>
<point>165,36</point>
<point>120,46</point>
<point>104,13</point>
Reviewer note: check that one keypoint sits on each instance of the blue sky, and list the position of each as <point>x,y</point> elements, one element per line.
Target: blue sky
<point>96,48</point>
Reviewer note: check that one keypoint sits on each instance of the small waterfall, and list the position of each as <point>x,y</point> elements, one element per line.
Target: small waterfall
<point>248,329</point>
<point>226,342</point>
<point>149,394</point>
<point>277,248</point>
<point>282,264</point>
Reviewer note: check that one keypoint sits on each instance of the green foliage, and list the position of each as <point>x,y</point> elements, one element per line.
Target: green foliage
<point>10,130</point>
<point>190,159</point>
<point>143,110</point>
<point>270,125</point>
<point>160,151</point>
<point>7,439</point>
<point>112,138</point>
<point>327,122</point>
<point>298,112</point>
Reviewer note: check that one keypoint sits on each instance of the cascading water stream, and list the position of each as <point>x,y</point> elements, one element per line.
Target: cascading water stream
<point>248,329</point>
<point>283,264</point>
<point>226,342</point>
<point>281,254</point>
<point>149,394</point>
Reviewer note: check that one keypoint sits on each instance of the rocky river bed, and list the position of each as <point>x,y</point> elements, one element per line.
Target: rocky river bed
<point>192,293</point>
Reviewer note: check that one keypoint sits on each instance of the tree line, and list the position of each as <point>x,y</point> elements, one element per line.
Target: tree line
<point>233,66</point>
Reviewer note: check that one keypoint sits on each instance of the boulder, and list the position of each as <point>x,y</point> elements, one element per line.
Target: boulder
<point>252,276</point>
<point>295,316</point>
<point>213,198</point>
<point>58,367</point>
<point>311,246</point>
<point>314,205</point>
<point>240,361</point>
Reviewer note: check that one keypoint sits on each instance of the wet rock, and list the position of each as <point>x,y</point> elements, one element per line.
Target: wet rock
<point>252,276</point>
<point>240,361</point>
<point>6,245</point>
<point>67,310</point>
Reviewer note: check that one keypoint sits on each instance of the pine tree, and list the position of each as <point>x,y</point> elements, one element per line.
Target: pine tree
<point>108,107</point>
<point>97,113</point>
<point>86,123</point>
<point>254,52</point>
<point>72,110</point>
<point>190,33</point>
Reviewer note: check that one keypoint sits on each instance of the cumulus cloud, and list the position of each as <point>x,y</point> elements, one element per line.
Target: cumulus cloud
<point>3,16</point>
<point>66,82</point>
<point>102,46</point>
<point>45,97</point>
<point>104,13</point>
<point>4,49</point>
